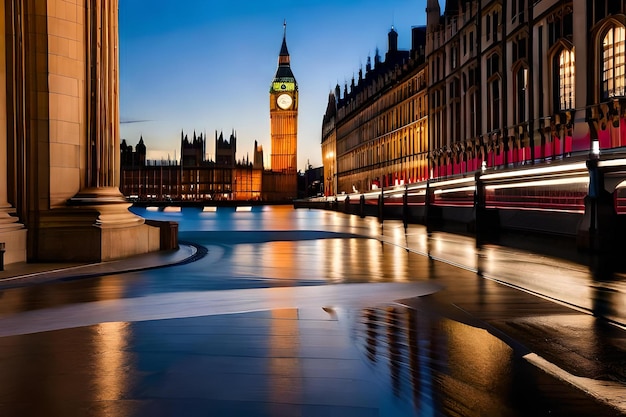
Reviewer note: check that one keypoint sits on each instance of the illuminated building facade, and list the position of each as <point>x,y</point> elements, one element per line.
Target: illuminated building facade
<point>512,82</point>
<point>193,178</point>
<point>375,135</point>
<point>284,127</point>
<point>506,83</point>
<point>329,146</point>
<point>511,85</point>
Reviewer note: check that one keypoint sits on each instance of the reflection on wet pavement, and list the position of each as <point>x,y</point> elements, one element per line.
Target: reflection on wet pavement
<point>293,313</point>
<point>271,363</point>
<point>373,361</point>
<point>444,367</point>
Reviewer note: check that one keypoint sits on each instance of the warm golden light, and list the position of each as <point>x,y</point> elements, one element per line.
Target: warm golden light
<point>453,182</point>
<point>456,190</point>
<point>540,183</point>
<point>111,360</point>
<point>486,360</point>
<point>537,171</point>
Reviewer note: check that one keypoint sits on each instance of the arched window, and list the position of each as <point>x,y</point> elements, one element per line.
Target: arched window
<point>613,65</point>
<point>565,77</point>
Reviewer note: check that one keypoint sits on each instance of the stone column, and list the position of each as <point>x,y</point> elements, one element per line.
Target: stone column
<point>12,232</point>
<point>100,188</point>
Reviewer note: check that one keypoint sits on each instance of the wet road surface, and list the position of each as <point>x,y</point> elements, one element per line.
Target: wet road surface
<point>306,313</point>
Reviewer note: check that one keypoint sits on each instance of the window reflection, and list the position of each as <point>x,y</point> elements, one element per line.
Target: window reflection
<point>112,360</point>
<point>566,79</point>
<point>613,63</point>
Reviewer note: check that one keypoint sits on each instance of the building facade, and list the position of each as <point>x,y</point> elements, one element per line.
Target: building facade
<point>329,145</point>
<point>513,83</point>
<point>375,134</point>
<point>506,84</point>
<point>193,178</point>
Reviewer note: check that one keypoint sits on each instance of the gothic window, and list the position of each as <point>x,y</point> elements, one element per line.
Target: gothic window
<point>494,103</point>
<point>493,65</point>
<point>519,48</point>
<point>561,25</point>
<point>493,92</point>
<point>495,23</point>
<point>521,94</point>
<point>564,78</point>
<point>521,10</point>
<point>613,65</point>
<point>455,109</point>
<point>599,9</point>
<point>517,10</point>
<point>473,121</point>
<point>454,52</point>
<point>491,25</point>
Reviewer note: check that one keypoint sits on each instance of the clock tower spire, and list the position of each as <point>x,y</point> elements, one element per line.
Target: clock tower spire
<point>284,122</point>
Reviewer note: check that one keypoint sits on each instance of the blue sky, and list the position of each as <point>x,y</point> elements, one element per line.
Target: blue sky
<point>207,65</point>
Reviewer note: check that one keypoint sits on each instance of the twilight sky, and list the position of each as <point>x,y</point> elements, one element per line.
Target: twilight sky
<point>207,65</point>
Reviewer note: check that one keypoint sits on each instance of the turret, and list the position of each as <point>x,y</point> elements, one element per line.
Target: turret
<point>433,15</point>
<point>141,152</point>
<point>284,79</point>
<point>393,40</point>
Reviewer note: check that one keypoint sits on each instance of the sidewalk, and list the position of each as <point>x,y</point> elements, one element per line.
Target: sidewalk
<point>23,273</point>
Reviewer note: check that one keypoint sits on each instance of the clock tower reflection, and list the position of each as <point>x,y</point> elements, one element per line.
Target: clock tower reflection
<point>284,126</point>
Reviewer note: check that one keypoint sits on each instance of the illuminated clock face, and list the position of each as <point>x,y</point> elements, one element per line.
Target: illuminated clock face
<point>284,101</point>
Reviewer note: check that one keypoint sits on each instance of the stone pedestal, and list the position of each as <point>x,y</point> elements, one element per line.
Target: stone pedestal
<point>96,226</point>
<point>13,235</point>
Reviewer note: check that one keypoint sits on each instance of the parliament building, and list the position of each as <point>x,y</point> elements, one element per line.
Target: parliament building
<point>486,84</point>
<point>193,178</point>
<point>375,134</point>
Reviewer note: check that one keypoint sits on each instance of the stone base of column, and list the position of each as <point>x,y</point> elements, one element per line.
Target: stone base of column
<point>95,226</point>
<point>13,235</point>
<point>110,204</point>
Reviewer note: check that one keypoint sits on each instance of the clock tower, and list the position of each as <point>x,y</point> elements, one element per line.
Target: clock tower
<point>284,122</point>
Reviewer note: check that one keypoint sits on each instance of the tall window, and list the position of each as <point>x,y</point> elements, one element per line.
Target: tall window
<point>493,92</point>
<point>521,90</point>
<point>454,52</point>
<point>494,95</point>
<point>613,65</point>
<point>455,109</point>
<point>566,79</point>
